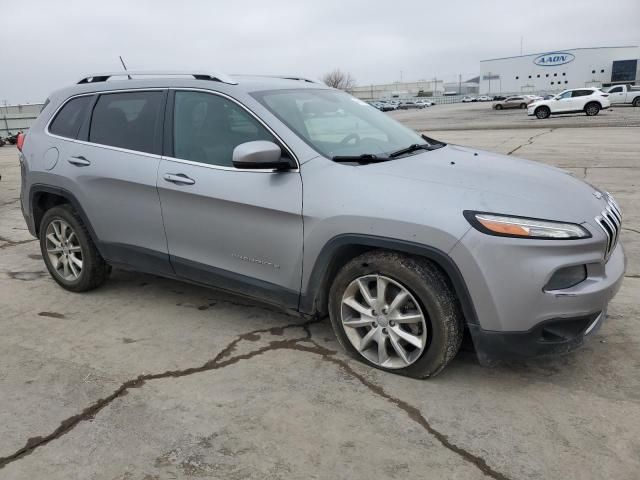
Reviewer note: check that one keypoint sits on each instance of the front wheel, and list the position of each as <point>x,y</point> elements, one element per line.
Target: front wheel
<point>498,107</point>
<point>592,109</point>
<point>397,313</point>
<point>542,112</point>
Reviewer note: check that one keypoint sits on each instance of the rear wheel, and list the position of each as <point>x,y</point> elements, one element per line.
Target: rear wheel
<point>592,109</point>
<point>542,112</point>
<point>636,102</point>
<point>397,313</point>
<point>68,251</point>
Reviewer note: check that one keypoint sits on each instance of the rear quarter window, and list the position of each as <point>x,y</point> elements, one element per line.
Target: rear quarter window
<point>68,120</point>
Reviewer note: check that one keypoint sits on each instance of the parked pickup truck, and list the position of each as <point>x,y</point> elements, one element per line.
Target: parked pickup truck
<point>624,94</point>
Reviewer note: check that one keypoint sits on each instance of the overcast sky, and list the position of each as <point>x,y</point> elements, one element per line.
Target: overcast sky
<point>47,44</point>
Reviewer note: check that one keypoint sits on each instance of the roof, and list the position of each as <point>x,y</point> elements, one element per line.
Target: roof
<point>120,80</point>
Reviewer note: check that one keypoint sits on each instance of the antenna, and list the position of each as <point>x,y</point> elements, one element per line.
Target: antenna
<point>124,66</point>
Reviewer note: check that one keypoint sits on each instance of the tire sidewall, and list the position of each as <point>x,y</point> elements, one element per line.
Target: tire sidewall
<point>595,105</point>
<point>63,213</point>
<point>421,288</point>
<point>542,109</point>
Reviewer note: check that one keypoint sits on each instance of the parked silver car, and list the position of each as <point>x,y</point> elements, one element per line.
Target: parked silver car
<point>296,194</point>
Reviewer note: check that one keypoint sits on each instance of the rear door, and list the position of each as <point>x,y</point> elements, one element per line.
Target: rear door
<point>579,99</point>
<point>113,166</point>
<point>236,229</point>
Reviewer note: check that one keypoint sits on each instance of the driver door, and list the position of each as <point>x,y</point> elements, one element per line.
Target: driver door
<point>239,230</point>
<point>564,103</point>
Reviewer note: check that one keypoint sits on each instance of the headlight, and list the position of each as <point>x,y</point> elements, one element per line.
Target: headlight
<point>514,226</point>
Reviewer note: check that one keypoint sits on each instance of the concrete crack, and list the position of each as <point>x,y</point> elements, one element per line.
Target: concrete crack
<point>225,358</point>
<point>631,230</point>
<point>530,141</point>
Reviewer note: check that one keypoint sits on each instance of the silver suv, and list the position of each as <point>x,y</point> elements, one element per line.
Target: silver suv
<point>302,196</point>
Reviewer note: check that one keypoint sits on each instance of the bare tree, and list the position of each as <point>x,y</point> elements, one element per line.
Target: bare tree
<point>339,79</point>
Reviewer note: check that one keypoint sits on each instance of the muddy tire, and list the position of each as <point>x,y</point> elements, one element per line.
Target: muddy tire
<point>68,251</point>
<point>396,312</point>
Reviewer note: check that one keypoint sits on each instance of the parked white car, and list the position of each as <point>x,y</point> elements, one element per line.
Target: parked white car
<point>425,103</point>
<point>620,94</point>
<point>484,98</point>
<point>469,99</point>
<point>587,100</point>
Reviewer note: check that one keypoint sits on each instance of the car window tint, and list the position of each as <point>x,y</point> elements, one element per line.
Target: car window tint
<point>127,120</point>
<point>615,90</point>
<point>69,119</point>
<point>581,93</point>
<point>207,128</point>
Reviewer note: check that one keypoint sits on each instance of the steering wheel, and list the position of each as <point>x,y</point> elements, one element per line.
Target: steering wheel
<point>350,137</point>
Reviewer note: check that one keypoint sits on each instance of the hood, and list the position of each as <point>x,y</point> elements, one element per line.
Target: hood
<point>496,183</point>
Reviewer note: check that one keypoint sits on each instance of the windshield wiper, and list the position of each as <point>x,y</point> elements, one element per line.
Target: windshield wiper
<point>415,147</point>
<point>361,159</point>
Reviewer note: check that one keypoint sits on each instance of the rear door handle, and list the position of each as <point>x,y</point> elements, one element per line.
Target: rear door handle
<point>178,178</point>
<point>79,161</point>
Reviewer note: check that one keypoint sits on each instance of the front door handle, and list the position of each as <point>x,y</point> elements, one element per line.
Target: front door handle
<point>79,161</point>
<point>178,178</point>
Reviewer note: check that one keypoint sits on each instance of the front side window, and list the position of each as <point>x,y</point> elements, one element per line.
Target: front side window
<point>336,124</point>
<point>207,128</point>
<point>130,120</point>
<point>616,90</point>
<point>69,119</point>
<point>564,95</point>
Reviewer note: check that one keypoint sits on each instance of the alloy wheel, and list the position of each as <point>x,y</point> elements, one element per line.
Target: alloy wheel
<point>64,250</point>
<point>383,321</point>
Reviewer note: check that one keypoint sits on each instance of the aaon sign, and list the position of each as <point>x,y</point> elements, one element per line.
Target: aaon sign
<point>553,58</point>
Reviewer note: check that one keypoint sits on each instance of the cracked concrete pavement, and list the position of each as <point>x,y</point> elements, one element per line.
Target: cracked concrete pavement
<point>150,378</point>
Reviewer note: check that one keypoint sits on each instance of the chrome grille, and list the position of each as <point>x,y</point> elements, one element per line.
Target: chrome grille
<point>610,220</point>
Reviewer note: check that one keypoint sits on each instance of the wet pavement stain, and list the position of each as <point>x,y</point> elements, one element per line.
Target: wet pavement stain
<point>35,256</point>
<point>26,276</point>
<point>51,314</point>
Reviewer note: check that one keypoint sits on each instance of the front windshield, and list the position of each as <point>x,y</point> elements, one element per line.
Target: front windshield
<point>337,124</point>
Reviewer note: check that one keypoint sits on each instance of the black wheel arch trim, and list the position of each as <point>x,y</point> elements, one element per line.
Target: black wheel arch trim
<point>73,201</point>
<point>318,284</point>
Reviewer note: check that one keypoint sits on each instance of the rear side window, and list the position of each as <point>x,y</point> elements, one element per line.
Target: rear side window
<point>615,90</point>
<point>581,93</point>
<point>69,119</point>
<point>128,120</point>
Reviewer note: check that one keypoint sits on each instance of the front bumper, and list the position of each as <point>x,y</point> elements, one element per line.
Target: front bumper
<point>553,337</point>
<point>516,316</point>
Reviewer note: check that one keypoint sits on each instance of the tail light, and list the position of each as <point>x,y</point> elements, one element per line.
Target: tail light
<point>20,141</point>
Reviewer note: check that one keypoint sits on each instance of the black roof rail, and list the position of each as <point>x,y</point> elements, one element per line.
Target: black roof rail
<point>103,77</point>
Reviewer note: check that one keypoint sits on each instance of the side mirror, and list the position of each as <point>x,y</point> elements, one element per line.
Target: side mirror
<point>260,154</point>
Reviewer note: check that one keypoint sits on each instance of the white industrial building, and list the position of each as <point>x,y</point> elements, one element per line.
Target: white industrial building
<point>560,69</point>
<point>425,88</point>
